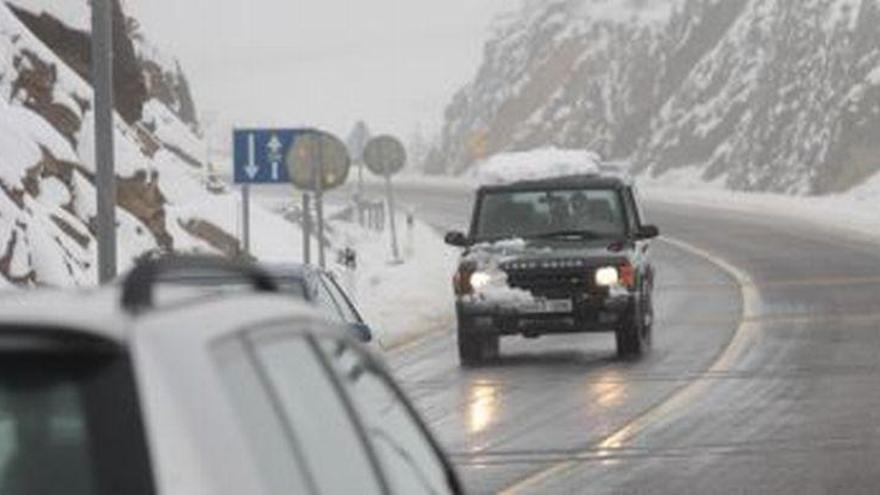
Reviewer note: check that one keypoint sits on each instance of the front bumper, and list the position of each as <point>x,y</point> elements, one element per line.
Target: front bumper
<point>591,313</point>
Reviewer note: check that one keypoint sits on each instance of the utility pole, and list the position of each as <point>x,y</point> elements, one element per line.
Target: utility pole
<point>105,174</point>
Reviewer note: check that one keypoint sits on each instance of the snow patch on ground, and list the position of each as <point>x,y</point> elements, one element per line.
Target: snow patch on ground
<point>856,213</point>
<point>401,301</point>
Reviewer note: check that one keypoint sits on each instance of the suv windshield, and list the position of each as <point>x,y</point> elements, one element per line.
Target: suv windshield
<point>594,213</point>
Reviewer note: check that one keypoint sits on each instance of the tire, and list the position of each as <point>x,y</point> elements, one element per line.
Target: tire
<point>633,336</point>
<point>476,348</point>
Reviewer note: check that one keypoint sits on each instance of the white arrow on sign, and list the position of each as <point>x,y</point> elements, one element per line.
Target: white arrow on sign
<point>252,169</point>
<point>274,147</point>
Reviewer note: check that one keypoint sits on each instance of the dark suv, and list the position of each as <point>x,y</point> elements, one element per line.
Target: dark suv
<point>562,255</point>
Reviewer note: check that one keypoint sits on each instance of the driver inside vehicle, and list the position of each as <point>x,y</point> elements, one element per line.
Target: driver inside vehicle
<point>560,216</point>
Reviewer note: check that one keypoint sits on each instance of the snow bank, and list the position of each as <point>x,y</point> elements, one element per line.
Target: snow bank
<point>544,163</point>
<point>856,213</point>
<point>401,301</point>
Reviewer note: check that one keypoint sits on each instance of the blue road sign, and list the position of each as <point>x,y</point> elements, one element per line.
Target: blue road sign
<point>259,155</point>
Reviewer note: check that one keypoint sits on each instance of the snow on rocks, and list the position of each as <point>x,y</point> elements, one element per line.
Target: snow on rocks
<point>75,14</point>
<point>170,130</point>
<point>47,196</point>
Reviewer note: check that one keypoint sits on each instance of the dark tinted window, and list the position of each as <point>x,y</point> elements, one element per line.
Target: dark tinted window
<point>293,286</point>
<point>512,214</point>
<point>631,211</point>
<point>70,424</point>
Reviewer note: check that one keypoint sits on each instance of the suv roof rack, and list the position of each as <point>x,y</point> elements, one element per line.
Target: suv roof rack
<point>137,288</point>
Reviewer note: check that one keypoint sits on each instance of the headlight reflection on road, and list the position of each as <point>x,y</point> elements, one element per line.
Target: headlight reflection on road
<point>608,391</point>
<point>483,401</point>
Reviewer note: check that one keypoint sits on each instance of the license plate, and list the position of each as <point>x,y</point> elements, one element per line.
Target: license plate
<point>548,306</point>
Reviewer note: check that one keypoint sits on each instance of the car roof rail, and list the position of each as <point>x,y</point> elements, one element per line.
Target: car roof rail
<point>137,288</point>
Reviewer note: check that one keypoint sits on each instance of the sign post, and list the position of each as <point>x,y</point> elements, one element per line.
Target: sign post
<point>309,159</point>
<point>105,175</point>
<point>246,219</point>
<point>307,229</point>
<point>386,156</point>
<point>316,162</point>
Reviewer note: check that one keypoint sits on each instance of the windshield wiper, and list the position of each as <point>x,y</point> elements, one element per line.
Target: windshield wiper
<point>580,234</point>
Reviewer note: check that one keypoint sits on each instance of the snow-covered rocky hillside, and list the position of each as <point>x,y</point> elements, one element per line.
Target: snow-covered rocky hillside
<point>763,95</point>
<point>47,204</point>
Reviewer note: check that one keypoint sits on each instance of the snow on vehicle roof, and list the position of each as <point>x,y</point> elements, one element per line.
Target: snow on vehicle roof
<point>538,164</point>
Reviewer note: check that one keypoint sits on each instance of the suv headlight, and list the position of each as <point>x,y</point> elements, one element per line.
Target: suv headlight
<point>607,276</point>
<point>481,280</point>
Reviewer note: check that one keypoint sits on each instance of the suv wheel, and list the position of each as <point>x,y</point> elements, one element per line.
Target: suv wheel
<point>634,333</point>
<point>475,348</point>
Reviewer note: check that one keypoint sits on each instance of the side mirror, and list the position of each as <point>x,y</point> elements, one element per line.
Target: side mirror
<point>648,232</point>
<point>457,239</point>
<point>361,332</point>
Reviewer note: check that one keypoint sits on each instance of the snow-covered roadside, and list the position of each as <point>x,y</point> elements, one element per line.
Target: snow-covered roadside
<point>401,301</point>
<point>854,214</point>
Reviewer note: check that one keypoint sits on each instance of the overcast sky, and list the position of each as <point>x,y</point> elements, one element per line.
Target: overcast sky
<point>325,63</point>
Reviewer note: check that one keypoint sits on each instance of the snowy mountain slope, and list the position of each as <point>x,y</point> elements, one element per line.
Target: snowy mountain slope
<point>47,197</point>
<point>770,95</point>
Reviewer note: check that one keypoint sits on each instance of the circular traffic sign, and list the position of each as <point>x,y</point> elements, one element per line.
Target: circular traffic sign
<point>385,155</point>
<point>317,153</point>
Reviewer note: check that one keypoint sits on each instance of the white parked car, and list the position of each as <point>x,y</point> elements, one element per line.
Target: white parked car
<point>105,393</point>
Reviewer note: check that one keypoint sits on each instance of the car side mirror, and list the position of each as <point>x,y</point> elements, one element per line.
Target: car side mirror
<point>361,331</point>
<point>457,239</point>
<point>648,232</point>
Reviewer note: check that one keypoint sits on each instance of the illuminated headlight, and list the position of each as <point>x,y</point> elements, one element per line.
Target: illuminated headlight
<point>607,276</point>
<point>480,280</point>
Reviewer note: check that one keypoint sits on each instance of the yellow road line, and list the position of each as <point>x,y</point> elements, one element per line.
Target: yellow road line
<point>745,334</point>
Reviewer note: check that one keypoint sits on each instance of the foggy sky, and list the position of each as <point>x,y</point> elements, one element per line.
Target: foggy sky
<point>394,63</point>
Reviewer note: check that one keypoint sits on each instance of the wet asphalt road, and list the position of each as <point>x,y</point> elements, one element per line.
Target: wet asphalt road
<point>764,378</point>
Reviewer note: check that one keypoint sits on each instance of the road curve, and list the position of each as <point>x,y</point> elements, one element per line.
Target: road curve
<point>763,377</point>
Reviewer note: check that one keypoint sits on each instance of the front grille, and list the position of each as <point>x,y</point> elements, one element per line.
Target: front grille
<point>551,283</point>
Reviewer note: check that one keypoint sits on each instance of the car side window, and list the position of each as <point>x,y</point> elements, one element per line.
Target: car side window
<point>348,311</point>
<point>327,303</point>
<point>409,460</point>
<point>631,211</point>
<point>637,201</point>
<point>333,445</point>
<point>276,455</point>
